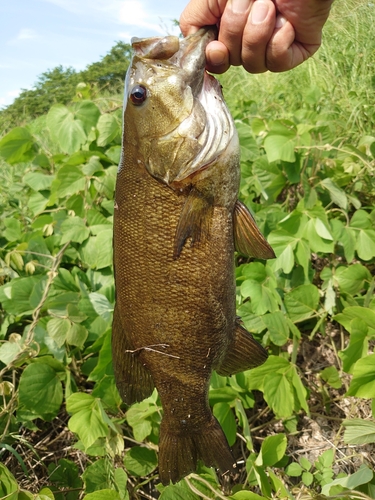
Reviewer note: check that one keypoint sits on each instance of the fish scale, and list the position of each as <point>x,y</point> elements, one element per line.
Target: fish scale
<point>175,318</point>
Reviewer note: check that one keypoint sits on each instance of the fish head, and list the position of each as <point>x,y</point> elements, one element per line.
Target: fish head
<point>174,114</point>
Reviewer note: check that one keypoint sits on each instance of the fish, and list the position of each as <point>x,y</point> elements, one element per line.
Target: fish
<point>177,224</point>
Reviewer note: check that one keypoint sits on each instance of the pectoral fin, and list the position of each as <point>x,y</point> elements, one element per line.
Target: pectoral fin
<point>248,239</point>
<point>243,353</point>
<point>194,222</point>
<point>133,380</point>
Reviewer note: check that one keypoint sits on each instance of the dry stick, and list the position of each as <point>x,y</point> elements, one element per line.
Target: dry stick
<point>51,276</point>
<point>206,483</point>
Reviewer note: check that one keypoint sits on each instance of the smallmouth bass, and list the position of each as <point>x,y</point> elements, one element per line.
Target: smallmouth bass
<point>177,222</point>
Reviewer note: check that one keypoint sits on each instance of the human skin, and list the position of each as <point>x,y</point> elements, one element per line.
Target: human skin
<point>260,35</point>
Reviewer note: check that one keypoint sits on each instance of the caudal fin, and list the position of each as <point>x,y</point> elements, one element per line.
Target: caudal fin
<point>179,452</point>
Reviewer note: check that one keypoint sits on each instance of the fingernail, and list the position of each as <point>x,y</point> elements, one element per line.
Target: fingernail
<point>240,6</point>
<point>259,12</point>
<point>216,57</point>
<point>280,21</point>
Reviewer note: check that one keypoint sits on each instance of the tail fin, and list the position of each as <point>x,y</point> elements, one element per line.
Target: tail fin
<point>179,452</point>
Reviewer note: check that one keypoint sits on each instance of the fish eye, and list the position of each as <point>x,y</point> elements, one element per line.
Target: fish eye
<point>138,95</point>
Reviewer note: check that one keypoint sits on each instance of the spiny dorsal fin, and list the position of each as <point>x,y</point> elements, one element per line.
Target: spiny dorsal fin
<point>248,239</point>
<point>194,222</point>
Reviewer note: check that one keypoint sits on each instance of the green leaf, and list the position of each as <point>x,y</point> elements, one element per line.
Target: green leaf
<point>37,203</point>
<point>8,484</point>
<point>87,113</point>
<point>40,390</point>
<point>224,414</point>
<point>331,376</point>
<point>277,327</point>
<point>79,401</point>
<point>317,242</point>
<point>106,494</point>
<point>262,298</point>
<point>102,306</point>
<point>280,147</point>
<point>272,450</point>
<point>140,461</point>
<point>74,229</point>
<point>278,394</point>
<point>97,476</point>
<point>178,491</point>
<point>15,295</point>
<point>97,250</point>
<point>302,302</point>
<point>294,470</point>
<point>352,279</point>
<point>246,495</point>
<point>12,229</point>
<point>38,181</point>
<point>363,476</point>
<point>365,244</point>
<point>65,474</point>
<point>77,335</point>
<point>17,145</point>
<point>58,329</point>
<point>307,478</point>
<point>255,377</point>
<point>358,344</point>
<point>362,384</point>
<point>114,154</point>
<point>139,418</point>
<point>108,128</point>
<point>65,128</point>
<point>363,313</point>
<point>358,431</point>
<point>72,180</point>
<point>337,195</point>
<point>89,424</point>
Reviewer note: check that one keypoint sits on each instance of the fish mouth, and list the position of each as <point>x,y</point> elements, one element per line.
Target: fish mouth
<point>188,53</point>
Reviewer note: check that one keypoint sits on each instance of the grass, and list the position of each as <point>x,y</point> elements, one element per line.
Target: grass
<point>338,82</point>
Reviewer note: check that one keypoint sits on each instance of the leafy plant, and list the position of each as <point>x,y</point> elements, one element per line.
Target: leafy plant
<point>299,424</point>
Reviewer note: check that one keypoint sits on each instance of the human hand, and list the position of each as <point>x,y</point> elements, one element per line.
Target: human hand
<point>261,35</point>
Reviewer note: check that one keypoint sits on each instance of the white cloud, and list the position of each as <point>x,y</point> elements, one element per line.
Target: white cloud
<point>147,14</point>
<point>133,13</point>
<point>9,97</point>
<point>22,35</point>
<point>26,34</point>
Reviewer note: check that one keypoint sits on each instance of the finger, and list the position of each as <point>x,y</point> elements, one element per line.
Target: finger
<point>217,56</point>
<point>257,33</point>
<point>198,14</point>
<point>232,24</point>
<point>284,52</point>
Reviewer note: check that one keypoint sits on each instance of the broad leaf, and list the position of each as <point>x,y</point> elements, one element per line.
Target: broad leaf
<point>40,390</point>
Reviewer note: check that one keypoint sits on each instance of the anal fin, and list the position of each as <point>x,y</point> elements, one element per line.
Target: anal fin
<point>194,222</point>
<point>248,239</point>
<point>133,380</point>
<point>243,353</point>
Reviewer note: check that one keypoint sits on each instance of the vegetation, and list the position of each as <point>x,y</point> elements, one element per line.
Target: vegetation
<point>302,425</point>
<point>64,85</point>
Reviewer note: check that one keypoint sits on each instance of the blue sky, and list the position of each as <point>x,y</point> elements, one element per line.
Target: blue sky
<point>37,35</point>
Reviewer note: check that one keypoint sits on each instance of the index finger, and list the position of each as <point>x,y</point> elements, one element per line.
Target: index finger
<point>200,13</point>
